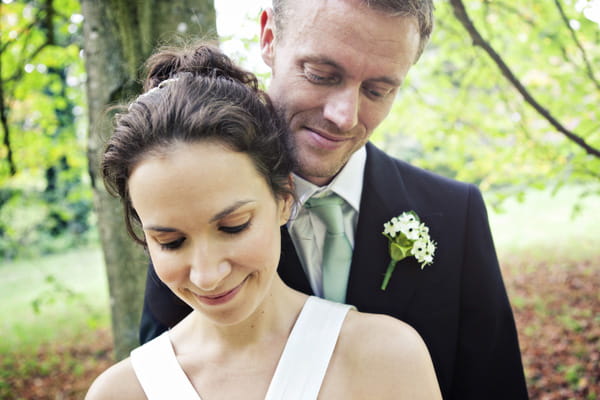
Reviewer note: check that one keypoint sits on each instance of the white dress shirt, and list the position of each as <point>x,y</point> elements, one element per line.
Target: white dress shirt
<point>308,231</point>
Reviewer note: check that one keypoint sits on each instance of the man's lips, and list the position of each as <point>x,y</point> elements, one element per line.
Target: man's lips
<point>327,135</point>
<point>326,140</point>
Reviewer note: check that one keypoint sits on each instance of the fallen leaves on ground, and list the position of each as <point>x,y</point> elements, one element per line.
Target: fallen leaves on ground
<point>557,311</point>
<point>56,371</point>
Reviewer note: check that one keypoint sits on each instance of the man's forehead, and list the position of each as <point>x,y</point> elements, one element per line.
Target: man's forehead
<point>347,21</point>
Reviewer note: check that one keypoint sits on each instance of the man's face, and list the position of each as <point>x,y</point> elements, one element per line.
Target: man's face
<point>336,70</point>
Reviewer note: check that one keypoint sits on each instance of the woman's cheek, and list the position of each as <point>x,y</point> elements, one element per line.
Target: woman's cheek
<point>264,247</point>
<point>165,266</point>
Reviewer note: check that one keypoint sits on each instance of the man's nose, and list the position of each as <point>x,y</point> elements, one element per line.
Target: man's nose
<point>208,269</point>
<point>342,107</point>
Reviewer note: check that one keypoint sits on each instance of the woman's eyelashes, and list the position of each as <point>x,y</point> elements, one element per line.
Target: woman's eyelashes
<point>232,230</point>
<point>172,245</point>
<point>228,229</point>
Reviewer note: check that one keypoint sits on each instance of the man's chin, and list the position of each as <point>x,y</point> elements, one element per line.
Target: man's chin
<point>320,175</point>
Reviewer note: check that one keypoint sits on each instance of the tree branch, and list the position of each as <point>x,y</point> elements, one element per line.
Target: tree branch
<point>588,66</point>
<point>461,14</point>
<point>5,127</point>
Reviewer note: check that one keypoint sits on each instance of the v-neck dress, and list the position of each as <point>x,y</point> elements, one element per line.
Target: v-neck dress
<point>299,373</point>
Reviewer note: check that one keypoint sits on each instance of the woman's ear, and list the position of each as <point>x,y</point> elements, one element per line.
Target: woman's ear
<point>287,203</point>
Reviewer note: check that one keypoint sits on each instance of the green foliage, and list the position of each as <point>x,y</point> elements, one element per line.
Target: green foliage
<point>45,199</point>
<point>458,115</point>
<point>57,291</point>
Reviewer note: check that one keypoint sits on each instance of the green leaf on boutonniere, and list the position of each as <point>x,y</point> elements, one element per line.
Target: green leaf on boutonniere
<point>398,252</point>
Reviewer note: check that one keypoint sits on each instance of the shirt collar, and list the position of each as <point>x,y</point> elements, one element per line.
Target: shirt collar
<point>347,184</point>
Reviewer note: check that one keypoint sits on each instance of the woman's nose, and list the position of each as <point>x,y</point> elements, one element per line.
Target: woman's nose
<point>208,270</point>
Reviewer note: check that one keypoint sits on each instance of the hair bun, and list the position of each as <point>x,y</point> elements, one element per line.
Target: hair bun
<point>200,60</point>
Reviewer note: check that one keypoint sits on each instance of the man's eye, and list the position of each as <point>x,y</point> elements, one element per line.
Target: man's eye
<point>318,78</point>
<point>232,230</point>
<point>377,93</point>
<point>315,78</point>
<point>374,93</point>
<point>175,244</point>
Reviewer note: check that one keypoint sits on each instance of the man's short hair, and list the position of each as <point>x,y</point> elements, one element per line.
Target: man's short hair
<point>422,10</point>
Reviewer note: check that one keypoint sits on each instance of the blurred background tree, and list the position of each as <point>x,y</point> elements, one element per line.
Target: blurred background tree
<point>45,201</point>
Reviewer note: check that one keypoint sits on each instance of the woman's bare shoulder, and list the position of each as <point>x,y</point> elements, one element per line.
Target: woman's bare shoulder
<point>390,355</point>
<point>117,382</point>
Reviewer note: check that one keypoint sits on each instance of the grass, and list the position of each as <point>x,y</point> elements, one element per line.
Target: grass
<point>57,296</point>
<point>542,226</point>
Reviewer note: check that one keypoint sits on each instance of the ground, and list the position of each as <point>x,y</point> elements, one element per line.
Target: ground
<point>557,311</point>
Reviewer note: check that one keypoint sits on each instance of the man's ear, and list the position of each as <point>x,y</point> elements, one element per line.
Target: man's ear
<point>267,36</point>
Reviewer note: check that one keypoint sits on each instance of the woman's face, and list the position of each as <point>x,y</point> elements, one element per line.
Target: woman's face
<point>212,225</point>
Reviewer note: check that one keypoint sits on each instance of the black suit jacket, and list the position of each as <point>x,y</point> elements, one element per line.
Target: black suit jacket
<point>458,304</point>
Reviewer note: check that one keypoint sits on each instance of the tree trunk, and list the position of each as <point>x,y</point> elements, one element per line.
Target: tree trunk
<point>118,37</point>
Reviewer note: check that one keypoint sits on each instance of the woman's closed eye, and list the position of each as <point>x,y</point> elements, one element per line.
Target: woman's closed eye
<point>172,245</point>
<point>232,230</point>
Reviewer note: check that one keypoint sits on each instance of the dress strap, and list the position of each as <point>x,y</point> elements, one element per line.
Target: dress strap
<point>159,373</point>
<point>306,355</point>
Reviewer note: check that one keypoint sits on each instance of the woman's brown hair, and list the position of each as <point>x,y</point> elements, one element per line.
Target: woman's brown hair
<point>192,95</point>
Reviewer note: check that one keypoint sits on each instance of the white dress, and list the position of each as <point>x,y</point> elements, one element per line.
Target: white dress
<point>299,373</point>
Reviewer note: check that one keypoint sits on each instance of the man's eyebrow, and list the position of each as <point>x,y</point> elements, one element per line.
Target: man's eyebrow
<point>230,209</point>
<point>388,81</point>
<point>324,60</point>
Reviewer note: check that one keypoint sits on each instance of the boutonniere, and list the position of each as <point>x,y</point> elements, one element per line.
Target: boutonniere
<point>408,236</point>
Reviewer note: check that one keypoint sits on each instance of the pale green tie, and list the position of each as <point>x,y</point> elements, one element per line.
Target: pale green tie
<point>337,251</point>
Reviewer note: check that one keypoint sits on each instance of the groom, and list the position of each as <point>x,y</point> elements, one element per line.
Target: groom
<point>336,67</point>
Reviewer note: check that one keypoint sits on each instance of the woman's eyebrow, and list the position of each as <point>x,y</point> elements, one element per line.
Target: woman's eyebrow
<point>159,229</point>
<point>217,216</point>
<point>230,209</point>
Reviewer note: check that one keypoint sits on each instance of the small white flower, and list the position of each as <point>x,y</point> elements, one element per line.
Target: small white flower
<point>389,229</point>
<point>410,229</point>
<point>419,250</point>
<point>405,218</point>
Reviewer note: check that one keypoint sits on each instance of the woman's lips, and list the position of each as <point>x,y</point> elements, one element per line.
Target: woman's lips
<point>220,298</point>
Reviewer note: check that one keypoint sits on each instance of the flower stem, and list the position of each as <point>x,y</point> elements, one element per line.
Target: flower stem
<point>388,273</point>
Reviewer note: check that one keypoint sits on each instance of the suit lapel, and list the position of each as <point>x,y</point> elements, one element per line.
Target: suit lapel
<point>290,269</point>
<point>384,196</point>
